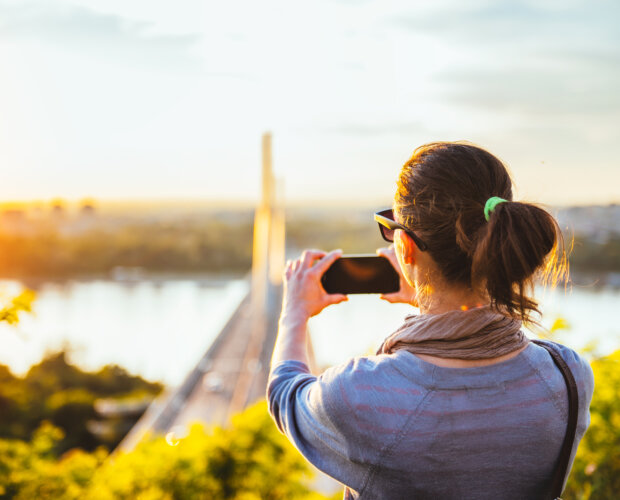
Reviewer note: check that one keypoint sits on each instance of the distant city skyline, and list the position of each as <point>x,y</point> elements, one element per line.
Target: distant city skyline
<point>179,205</point>
<point>146,101</point>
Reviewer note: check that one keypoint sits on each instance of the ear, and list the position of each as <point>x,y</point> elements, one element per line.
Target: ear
<point>408,248</point>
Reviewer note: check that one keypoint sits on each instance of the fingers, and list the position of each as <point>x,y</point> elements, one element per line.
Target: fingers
<point>309,256</point>
<point>323,264</point>
<point>307,259</point>
<point>390,254</point>
<point>288,269</point>
<point>387,252</point>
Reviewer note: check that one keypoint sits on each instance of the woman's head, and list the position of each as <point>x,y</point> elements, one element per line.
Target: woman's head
<point>441,195</point>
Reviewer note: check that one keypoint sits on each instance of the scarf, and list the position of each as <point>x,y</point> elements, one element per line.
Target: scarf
<point>479,333</point>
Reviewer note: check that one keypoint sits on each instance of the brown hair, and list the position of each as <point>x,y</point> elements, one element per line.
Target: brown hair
<point>442,191</point>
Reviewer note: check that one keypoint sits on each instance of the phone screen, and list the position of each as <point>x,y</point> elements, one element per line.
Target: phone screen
<point>361,274</point>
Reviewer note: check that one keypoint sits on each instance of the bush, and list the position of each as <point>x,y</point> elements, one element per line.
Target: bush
<point>250,460</point>
<point>31,470</point>
<point>58,391</point>
<point>596,471</point>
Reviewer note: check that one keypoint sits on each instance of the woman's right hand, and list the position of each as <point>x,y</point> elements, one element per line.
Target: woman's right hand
<point>406,294</point>
<point>304,295</point>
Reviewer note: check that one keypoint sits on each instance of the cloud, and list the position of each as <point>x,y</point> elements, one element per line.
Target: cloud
<point>555,62</point>
<point>518,21</point>
<point>98,34</point>
<point>586,87</point>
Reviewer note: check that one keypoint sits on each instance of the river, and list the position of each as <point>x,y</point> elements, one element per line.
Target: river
<point>160,328</point>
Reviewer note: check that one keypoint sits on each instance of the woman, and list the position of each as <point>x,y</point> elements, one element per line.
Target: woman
<point>457,403</point>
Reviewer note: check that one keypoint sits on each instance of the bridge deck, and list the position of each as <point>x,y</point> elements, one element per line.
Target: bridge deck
<point>231,375</point>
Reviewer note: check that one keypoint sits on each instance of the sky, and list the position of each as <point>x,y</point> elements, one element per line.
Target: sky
<point>151,99</point>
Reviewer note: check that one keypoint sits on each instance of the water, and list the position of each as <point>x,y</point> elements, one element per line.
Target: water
<point>358,326</point>
<point>159,329</point>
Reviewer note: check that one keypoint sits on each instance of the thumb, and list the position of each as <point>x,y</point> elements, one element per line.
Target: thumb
<point>389,297</point>
<point>336,298</point>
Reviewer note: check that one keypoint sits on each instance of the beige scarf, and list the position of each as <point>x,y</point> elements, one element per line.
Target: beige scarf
<point>479,333</point>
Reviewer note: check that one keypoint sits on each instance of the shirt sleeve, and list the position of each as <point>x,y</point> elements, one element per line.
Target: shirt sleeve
<point>309,411</point>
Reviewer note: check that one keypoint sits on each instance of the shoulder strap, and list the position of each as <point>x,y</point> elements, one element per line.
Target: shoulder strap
<point>573,405</point>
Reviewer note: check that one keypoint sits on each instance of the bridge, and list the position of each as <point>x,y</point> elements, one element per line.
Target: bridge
<point>232,373</point>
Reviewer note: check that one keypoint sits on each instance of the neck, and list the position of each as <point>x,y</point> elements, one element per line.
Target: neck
<point>441,299</point>
<point>433,294</point>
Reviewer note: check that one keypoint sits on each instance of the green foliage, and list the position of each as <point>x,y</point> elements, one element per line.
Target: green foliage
<point>23,302</point>
<point>31,470</point>
<point>56,391</point>
<point>596,471</point>
<point>250,460</point>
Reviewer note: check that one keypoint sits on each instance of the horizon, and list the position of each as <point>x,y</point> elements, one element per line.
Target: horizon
<point>148,204</point>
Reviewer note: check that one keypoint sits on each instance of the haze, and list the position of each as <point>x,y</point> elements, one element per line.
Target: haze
<point>151,99</point>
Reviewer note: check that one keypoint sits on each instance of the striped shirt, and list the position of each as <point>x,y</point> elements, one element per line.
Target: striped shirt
<point>395,426</point>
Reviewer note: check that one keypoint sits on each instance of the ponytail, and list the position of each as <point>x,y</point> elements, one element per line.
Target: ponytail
<point>519,242</point>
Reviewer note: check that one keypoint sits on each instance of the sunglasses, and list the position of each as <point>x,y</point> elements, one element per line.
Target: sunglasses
<point>387,226</point>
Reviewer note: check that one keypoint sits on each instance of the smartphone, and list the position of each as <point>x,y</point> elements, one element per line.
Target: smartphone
<point>361,274</point>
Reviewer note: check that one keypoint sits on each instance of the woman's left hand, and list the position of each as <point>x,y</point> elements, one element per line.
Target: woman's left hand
<point>304,295</point>
<point>406,294</point>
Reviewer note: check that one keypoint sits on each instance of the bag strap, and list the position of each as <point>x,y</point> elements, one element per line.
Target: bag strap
<point>573,405</point>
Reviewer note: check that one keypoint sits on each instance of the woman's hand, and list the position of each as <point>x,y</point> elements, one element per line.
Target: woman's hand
<point>406,294</point>
<point>304,295</point>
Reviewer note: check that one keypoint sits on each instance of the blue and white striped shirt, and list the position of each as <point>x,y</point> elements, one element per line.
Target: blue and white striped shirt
<point>395,426</point>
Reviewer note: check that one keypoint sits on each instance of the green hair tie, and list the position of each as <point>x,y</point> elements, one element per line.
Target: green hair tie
<point>490,205</point>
